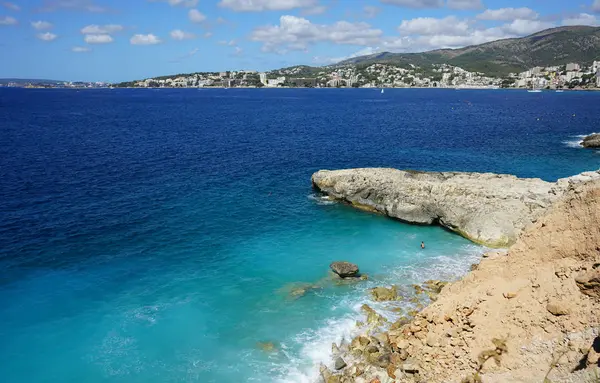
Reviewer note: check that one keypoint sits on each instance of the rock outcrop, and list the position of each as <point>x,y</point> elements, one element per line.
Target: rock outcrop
<point>591,141</point>
<point>486,208</point>
<point>344,269</point>
<point>526,315</point>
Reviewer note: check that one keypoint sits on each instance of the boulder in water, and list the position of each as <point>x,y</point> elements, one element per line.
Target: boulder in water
<point>344,269</point>
<point>591,141</point>
<point>381,294</point>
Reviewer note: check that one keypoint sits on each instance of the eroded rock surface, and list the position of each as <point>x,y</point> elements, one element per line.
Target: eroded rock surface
<point>490,209</point>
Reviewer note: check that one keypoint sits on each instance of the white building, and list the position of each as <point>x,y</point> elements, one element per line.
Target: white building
<point>598,78</point>
<point>572,75</point>
<point>573,67</point>
<point>595,66</point>
<point>263,78</point>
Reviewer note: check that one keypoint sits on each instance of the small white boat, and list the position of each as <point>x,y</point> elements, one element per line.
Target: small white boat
<point>381,90</point>
<point>534,91</point>
<point>559,91</point>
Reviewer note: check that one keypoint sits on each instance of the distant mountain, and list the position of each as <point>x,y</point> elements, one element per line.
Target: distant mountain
<point>5,81</point>
<point>556,46</point>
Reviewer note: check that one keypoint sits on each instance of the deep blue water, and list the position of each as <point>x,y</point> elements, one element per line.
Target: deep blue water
<point>154,235</point>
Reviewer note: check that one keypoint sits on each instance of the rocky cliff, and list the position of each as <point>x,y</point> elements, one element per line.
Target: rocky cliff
<point>486,208</point>
<point>529,314</point>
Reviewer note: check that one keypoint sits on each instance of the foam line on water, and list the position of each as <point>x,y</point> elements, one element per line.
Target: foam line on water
<point>575,141</point>
<point>315,344</point>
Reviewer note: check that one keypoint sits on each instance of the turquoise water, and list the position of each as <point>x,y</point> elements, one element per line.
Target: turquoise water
<point>155,236</point>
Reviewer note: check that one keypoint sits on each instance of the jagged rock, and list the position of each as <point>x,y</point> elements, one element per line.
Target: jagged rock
<point>373,318</point>
<point>486,208</point>
<point>381,294</point>
<point>557,308</point>
<point>589,282</point>
<point>344,269</point>
<point>591,141</point>
<point>335,350</point>
<point>410,366</point>
<point>339,363</point>
<point>382,338</point>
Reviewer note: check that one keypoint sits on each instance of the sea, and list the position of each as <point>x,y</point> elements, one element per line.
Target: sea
<point>173,235</point>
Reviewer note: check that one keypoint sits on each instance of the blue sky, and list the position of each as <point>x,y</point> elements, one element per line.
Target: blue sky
<point>115,40</point>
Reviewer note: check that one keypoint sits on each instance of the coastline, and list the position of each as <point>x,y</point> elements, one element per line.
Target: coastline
<point>444,340</point>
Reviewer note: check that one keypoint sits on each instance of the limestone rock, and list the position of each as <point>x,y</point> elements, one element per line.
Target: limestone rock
<point>381,294</point>
<point>373,318</point>
<point>557,308</point>
<point>589,282</point>
<point>339,363</point>
<point>486,208</point>
<point>344,269</point>
<point>591,141</point>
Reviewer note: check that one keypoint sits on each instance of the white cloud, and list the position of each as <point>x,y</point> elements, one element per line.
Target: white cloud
<point>508,14</point>
<point>41,25</point>
<point>196,16</point>
<point>221,20</point>
<point>596,6</point>
<point>98,39</point>
<point>416,3</point>
<point>11,6</point>
<point>266,5</point>
<point>465,4</point>
<point>46,36</point>
<point>581,19</point>
<point>238,51</point>
<point>178,34</point>
<point>371,11</point>
<point>7,20</point>
<point>297,33</point>
<point>521,27</point>
<point>81,49</point>
<point>207,35</point>
<point>363,52</point>
<point>73,5</point>
<point>148,39</point>
<point>430,26</point>
<point>101,29</point>
<point>182,3</point>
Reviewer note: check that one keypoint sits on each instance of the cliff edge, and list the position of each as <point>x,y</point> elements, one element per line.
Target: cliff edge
<point>489,209</point>
<point>529,314</point>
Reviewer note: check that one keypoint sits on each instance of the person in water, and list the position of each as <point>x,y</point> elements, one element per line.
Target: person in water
<point>422,245</point>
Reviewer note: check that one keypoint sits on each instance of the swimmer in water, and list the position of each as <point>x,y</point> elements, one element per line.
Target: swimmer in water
<point>422,245</point>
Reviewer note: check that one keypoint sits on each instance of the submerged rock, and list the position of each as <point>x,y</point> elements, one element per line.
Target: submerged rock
<point>344,269</point>
<point>381,294</point>
<point>490,209</point>
<point>267,346</point>
<point>591,141</point>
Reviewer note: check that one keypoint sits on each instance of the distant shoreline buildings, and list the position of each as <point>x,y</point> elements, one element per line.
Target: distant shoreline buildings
<point>377,75</point>
<point>568,76</point>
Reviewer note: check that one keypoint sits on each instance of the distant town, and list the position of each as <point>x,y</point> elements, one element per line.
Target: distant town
<point>378,75</point>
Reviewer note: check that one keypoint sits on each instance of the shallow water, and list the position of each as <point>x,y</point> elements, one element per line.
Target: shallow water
<point>154,236</point>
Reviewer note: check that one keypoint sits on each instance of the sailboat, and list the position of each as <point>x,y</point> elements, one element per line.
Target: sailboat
<point>382,91</point>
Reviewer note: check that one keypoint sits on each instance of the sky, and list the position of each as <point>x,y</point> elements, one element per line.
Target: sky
<point>122,40</point>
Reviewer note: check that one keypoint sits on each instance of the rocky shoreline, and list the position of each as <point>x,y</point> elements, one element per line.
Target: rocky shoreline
<point>526,314</point>
<point>489,209</point>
